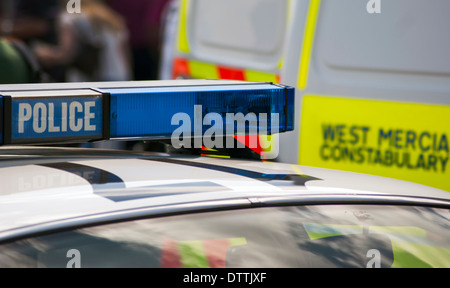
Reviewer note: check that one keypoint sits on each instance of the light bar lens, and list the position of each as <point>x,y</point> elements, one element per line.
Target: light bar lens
<point>101,113</point>
<point>148,111</point>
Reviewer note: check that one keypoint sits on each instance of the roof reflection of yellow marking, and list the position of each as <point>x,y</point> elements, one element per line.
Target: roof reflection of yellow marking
<point>297,170</point>
<point>215,156</point>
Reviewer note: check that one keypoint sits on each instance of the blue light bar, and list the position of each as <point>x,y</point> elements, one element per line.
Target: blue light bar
<point>149,111</point>
<point>99,112</point>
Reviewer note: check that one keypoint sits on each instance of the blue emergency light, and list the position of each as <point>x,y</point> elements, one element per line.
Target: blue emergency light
<point>102,111</point>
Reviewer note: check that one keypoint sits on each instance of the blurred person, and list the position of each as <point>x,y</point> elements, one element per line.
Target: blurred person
<point>28,19</point>
<point>17,63</point>
<point>92,44</point>
<point>144,19</point>
<point>21,23</point>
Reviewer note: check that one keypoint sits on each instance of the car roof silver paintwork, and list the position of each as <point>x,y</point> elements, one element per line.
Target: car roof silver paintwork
<point>41,185</point>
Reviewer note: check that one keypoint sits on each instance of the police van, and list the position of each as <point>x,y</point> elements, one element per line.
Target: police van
<point>372,77</point>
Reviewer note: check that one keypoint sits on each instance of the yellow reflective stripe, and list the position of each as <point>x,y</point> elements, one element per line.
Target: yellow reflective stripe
<point>308,39</point>
<point>403,230</point>
<point>400,233</point>
<point>268,146</point>
<point>202,70</point>
<point>410,246</point>
<point>280,63</point>
<point>260,76</point>
<point>215,156</point>
<point>192,254</point>
<point>412,255</point>
<point>317,231</point>
<point>297,170</point>
<point>183,43</point>
<point>238,241</point>
<point>288,20</point>
<point>208,149</point>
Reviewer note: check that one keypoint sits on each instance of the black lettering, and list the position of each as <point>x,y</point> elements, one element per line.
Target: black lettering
<point>360,156</point>
<point>336,157</point>
<point>378,157</point>
<point>345,154</point>
<point>365,129</point>
<point>328,132</point>
<point>407,158</point>
<point>434,142</point>
<point>398,139</point>
<point>397,160</point>
<point>443,143</point>
<point>354,134</point>
<point>369,159</point>
<point>410,139</point>
<point>388,158</point>
<point>443,163</point>
<point>421,162</point>
<point>384,136</point>
<point>432,160</point>
<point>421,145</point>
<point>340,132</point>
<point>322,152</point>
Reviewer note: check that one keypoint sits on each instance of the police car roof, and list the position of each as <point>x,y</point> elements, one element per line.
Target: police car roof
<point>59,187</point>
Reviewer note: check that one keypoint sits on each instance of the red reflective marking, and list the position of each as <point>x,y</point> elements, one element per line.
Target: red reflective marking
<point>278,79</point>
<point>250,139</point>
<point>207,149</point>
<point>180,68</point>
<point>170,255</point>
<point>231,74</point>
<point>216,252</point>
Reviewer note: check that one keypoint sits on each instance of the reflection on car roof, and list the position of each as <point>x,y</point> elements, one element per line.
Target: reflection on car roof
<point>48,184</point>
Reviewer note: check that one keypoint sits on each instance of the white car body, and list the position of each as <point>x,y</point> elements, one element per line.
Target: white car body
<point>98,186</point>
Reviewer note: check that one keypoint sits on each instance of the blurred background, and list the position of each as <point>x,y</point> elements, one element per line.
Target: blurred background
<point>372,77</point>
<point>48,41</point>
<point>110,40</point>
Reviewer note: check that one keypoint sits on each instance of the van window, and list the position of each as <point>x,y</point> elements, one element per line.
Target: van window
<point>239,33</point>
<point>407,37</point>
